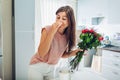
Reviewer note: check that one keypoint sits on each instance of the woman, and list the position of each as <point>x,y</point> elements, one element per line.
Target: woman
<point>57,40</point>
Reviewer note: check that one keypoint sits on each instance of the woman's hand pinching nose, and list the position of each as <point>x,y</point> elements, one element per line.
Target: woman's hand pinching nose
<point>59,24</point>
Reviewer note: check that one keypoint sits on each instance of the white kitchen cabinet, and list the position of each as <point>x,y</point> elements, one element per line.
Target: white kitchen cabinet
<point>24,37</point>
<point>111,65</point>
<point>24,51</point>
<point>24,15</point>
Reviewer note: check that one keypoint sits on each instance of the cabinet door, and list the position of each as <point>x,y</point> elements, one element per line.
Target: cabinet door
<point>110,65</point>
<point>23,53</point>
<point>24,15</point>
<point>111,59</point>
<point>110,73</point>
<point>111,55</point>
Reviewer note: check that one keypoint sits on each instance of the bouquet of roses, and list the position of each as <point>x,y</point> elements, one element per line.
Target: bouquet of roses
<point>89,39</point>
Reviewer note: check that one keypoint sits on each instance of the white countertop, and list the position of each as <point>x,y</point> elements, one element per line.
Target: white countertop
<point>86,74</point>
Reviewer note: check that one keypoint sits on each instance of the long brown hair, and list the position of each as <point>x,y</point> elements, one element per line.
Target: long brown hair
<point>70,30</point>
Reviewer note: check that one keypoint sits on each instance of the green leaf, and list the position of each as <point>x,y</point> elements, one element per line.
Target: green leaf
<point>88,40</point>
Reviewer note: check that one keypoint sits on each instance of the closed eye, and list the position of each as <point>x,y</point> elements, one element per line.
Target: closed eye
<point>64,18</point>
<point>58,17</point>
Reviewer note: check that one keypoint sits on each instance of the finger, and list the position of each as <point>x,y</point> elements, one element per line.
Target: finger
<point>55,25</point>
<point>59,24</point>
<point>80,49</point>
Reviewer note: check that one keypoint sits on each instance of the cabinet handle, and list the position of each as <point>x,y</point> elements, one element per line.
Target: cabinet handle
<point>116,56</point>
<point>116,73</point>
<point>116,65</point>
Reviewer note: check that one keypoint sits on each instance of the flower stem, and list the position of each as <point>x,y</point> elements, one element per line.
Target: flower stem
<point>75,62</point>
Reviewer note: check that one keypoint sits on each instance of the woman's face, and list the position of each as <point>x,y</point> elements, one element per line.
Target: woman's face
<point>62,17</point>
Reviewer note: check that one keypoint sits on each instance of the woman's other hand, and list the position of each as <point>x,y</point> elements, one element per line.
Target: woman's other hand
<point>77,50</point>
<point>71,53</point>
<point>74,52</point>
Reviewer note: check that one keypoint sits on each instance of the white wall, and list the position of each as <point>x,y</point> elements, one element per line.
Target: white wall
<point>45,14</point>
<point>90,8</point>
<point>113,11</point>
<point>100,8</point>
<point>49,8</point>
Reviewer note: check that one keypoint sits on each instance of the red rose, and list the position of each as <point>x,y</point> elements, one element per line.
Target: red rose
<point>85,30</point>
<point>100,38</point>
<point>91,30</point>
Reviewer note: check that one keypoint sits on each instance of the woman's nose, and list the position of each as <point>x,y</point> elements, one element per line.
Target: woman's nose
<point>60,21</point>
